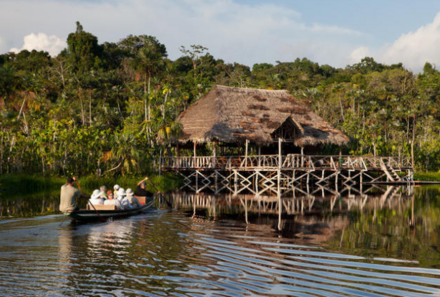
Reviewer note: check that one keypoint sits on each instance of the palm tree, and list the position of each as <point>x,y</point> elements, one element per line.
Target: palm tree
<point>150,61</point>
<point>126,153</point>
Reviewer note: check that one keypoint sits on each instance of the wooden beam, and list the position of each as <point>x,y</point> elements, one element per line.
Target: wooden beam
<point>302,157</point>
<point>280,156</point>
<point>246,153</point>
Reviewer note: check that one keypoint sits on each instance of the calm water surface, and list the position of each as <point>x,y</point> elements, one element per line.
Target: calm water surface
<point>385,243</point>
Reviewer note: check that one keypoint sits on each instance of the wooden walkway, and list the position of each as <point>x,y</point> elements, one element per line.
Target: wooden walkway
<point>277,173</point>
<point>287,162</point>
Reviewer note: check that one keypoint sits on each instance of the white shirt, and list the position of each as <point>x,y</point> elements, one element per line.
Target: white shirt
<point>97,201</point>
<point>126,203</point>
<point>114,202</point>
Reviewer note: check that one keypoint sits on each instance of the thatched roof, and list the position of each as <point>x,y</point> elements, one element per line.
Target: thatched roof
<point>232,115</point>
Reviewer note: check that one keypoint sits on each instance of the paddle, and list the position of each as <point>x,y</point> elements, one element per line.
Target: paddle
<point>102,220</point>
<point>168,203</point>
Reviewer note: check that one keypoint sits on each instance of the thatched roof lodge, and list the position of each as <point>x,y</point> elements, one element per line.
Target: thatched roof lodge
<point>232,115</point>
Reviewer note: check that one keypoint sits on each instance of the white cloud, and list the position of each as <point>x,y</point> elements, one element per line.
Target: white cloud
<point>42,42</point>
<point>232,31</point>
<point>414,49</point>
<point>334,29</point>
<point>358,54</point>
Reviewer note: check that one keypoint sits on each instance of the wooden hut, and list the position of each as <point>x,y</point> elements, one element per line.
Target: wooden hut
<point>241,116</point>
<point>234,115</point>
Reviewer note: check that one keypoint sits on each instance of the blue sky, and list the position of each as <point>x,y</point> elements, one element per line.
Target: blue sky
<point>338,32</point>
<point>369,16</point>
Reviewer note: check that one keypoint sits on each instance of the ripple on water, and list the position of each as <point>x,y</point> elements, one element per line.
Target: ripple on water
<point>145,257</point>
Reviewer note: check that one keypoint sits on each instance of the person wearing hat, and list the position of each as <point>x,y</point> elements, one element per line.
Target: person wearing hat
<point>134,202</point>
<point>116,189</point>
<point>96,199</point>
<point>68,196</point>
<point>141,190</point>
<point>111,201</point>
<point>123,200</point>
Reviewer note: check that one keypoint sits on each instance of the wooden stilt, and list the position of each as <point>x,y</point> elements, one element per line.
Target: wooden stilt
<point>302,157</point>
<point>246,153</point>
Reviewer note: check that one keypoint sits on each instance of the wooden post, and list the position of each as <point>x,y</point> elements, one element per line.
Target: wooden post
<point>259,156</point>
<point>280,210</point>
<point>216,182</point>
<point>235,182</point>
<point>280,164</point>
<point>195,155</point>
<point>246,154</point>
<point>280,156</point>
<point>160,162</point>
<point>412,153</point>
<point>256,180</point>
<point>177,156</point>
<point>214,152</point>
<point>302,157</point>
<point>340,157</point>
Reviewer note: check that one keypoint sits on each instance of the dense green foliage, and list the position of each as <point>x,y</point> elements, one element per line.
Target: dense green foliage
<point>12,185</point>
<point>112,106</point>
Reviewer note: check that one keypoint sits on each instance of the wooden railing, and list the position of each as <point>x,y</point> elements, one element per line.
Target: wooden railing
<point>290,161</point>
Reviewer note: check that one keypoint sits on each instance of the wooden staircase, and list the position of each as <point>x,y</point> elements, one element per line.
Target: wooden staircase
<point>389,194</point>
<point>390,172</point>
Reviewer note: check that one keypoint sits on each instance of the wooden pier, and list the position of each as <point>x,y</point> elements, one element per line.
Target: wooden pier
<point>257,123</point>
<point>278,174</point>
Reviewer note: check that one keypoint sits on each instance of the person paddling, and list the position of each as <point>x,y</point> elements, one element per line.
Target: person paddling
<point>141,190</point>
<point>68,196</point>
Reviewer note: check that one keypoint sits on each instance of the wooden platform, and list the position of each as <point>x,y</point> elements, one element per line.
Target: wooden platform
<point>277,173</point>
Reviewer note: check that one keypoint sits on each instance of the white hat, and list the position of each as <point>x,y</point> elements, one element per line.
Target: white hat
<point>129,192</point>
<point>121,192</point>
<point>116,187</point>
<point>96,194</point>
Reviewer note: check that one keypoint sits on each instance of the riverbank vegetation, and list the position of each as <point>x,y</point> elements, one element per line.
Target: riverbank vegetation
<point>19,184</point>
<point>109,109</point>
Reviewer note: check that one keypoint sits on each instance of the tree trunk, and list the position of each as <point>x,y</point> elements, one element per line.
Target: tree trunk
<point>83,117</point>
<point>42,163</point>
<point>21,109</point>
<point>412,142</point>
<point>90,108</point>
<point>342,109</point>
<point>1,156</point>
<point>146,97</point>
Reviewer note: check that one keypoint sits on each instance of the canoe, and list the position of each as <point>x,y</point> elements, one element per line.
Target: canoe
<point>106,212</point>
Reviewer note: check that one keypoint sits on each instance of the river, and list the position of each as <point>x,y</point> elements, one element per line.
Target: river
<point>384,243</point>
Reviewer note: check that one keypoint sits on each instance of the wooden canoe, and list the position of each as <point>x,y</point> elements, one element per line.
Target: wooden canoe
<point>106,212</point>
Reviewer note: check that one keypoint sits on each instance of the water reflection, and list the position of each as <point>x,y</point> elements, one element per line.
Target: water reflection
<point>381,244</point>
<point>29,205</point>
<point>380,222</point>
<point>298,204</point>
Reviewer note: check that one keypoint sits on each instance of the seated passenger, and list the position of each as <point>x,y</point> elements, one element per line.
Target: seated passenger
<point>96,199</point>
<point>115,192</point>
<point>111,201</point>
<point>134,202</point>
<point>103,190</point>
<point>124,201</point>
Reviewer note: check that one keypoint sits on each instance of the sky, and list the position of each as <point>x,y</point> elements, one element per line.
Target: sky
<point>338,32</point>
